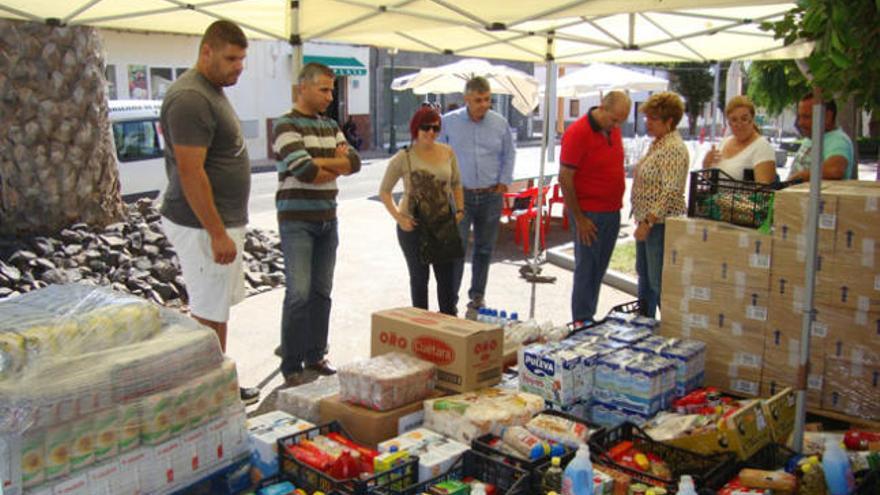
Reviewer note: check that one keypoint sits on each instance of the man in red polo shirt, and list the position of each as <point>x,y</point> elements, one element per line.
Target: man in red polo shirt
<point>593,183</point>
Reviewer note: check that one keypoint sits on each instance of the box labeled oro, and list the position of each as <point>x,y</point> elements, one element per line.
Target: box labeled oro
<point>468,354</point>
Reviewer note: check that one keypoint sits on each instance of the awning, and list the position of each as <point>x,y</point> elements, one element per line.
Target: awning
<point>342,66</point>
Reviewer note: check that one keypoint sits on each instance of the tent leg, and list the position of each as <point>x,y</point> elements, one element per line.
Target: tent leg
<point>716,88</point>
<point>297,44</point>
<point>810,283</point>
<point>549,96</point>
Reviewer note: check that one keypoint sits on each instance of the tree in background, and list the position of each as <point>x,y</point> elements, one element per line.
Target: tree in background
<point>776,85</point>
<point>845,61</point>
<point>693,81</point>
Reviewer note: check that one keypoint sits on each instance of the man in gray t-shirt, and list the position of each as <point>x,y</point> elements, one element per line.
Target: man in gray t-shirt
<point>205,205</point>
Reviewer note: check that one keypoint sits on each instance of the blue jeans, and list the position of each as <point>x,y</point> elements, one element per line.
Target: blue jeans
<point>419,273</point>
<point>309,259</point>
<point>591,263</point>
<point>649,266</point>
<point>483,211</point>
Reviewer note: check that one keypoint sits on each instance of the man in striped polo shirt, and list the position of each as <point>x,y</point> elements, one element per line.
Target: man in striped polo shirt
<point>311,152</point>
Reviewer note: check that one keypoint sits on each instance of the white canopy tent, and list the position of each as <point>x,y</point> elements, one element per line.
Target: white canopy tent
<point>569,31</point>
<point>583,31</point>
<point>591,80</point>
<point>451,79</point>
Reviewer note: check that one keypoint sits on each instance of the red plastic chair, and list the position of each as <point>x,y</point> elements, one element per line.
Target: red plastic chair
<point>521,209</point>
<point>557,199</point>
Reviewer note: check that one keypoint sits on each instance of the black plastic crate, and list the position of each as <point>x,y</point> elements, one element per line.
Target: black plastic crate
<point>708,471</point>
<point>771,457</point>
<point>632,307</point>
<point>869,482</point>
<point>304,476</point>
<point>717,196</point>
<point>508,479</point>
<point>536,468</point>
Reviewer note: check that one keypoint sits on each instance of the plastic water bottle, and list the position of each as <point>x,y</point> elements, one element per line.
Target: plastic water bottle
<point>578,476</point>
<point>686,486</point>
<point>838,472</point>
<point>483,315</point>
<point>514,316</point>
<point>552,480</point>
<point>502,318</point>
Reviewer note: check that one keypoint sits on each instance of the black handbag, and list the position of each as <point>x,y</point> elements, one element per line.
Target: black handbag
<point>439,240</point>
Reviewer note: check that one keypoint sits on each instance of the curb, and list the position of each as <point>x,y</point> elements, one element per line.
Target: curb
<point>559,256</point>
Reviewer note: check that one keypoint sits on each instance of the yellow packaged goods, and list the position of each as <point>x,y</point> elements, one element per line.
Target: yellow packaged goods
<point>82,452</point>
<point>386,382</point>
<point>33,458</point>
<point>779,411</point>
<point>468,354</point>
<point>58,446</point>
<point>106,434</point>
<point>129,426</point>
<point>467,416</point>
<point>157,413</point>
<point>743,432</point>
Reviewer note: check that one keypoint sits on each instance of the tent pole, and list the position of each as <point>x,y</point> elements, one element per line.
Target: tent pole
<point>549,97</point>
<point>716,88</point>
<point>810,282</point>
<point>296,43</point>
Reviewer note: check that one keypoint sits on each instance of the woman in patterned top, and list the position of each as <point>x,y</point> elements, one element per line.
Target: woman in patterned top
<point>658,192</point>
<point>431,177</point>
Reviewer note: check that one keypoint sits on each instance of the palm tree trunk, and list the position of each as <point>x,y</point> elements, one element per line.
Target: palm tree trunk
<point>57,162</point>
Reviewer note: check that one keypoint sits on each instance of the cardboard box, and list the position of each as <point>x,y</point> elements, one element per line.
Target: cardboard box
<point>370,427</point>
<point>852,387</point>
<point>468,354</point>
<point>781,371</point>
<point>692,243</point>
<point>744,432</point>
<point>790,217</point>
<point>779,411</point>
<point>747,381</point>
<point>859,223</point>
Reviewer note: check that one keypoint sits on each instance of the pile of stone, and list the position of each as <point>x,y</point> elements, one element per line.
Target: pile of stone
<point>133,256</point>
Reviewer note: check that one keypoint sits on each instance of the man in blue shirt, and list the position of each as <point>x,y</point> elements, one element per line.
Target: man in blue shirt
<point>837,148</point>
<point>483,144</point>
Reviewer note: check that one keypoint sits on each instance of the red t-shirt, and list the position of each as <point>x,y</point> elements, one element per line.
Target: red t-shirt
<point>599,179</point>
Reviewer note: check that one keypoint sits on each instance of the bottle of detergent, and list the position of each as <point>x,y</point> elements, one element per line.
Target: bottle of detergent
<point>838,472</point>
<point>577,479</point>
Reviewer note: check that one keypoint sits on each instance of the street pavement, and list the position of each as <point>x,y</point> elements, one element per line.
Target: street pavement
<point>371,275</point>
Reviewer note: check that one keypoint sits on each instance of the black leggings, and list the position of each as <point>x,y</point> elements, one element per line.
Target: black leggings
<point>419,275</point>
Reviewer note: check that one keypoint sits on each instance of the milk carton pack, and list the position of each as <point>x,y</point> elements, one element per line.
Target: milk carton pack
<point>550,371</point>
<point>610,415</point>
<point>688,355</point>
<point>436,453</point>
<point>264,432</point>
<point>636,381</point>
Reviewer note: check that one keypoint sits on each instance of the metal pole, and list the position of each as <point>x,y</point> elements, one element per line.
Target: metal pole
<point>392,135</point>
<point>810,282</point>
<point>296,43</point>
<point>550,111</point>
<point>548,104</point>
<point>716,88</point>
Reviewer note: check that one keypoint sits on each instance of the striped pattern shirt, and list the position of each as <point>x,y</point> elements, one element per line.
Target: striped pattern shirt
<point>298,139</point>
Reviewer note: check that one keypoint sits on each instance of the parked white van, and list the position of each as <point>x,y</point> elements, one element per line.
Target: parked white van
<point>140,147</point>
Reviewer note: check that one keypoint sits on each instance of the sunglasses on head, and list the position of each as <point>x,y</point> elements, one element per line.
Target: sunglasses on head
<point>430,127</point>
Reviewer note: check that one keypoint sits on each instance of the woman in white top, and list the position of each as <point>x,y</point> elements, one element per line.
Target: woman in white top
<point>745,148</point>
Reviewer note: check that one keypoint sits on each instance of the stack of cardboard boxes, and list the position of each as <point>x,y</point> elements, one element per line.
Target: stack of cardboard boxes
<point>716,281</point>
<point>844,373</point>
<point>743,294</point>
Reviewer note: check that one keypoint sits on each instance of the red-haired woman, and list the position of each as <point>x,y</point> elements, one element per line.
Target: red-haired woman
<point>430,178</point>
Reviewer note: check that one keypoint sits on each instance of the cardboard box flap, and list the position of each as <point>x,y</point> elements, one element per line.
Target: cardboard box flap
<point>779,411</point>
<point>438,322</point>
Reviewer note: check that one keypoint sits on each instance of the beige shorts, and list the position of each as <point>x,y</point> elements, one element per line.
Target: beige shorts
<point>212,288</point>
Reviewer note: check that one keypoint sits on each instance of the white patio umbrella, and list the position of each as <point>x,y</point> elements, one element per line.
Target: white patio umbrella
<point>598,77</point>
<point>451,78</point>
